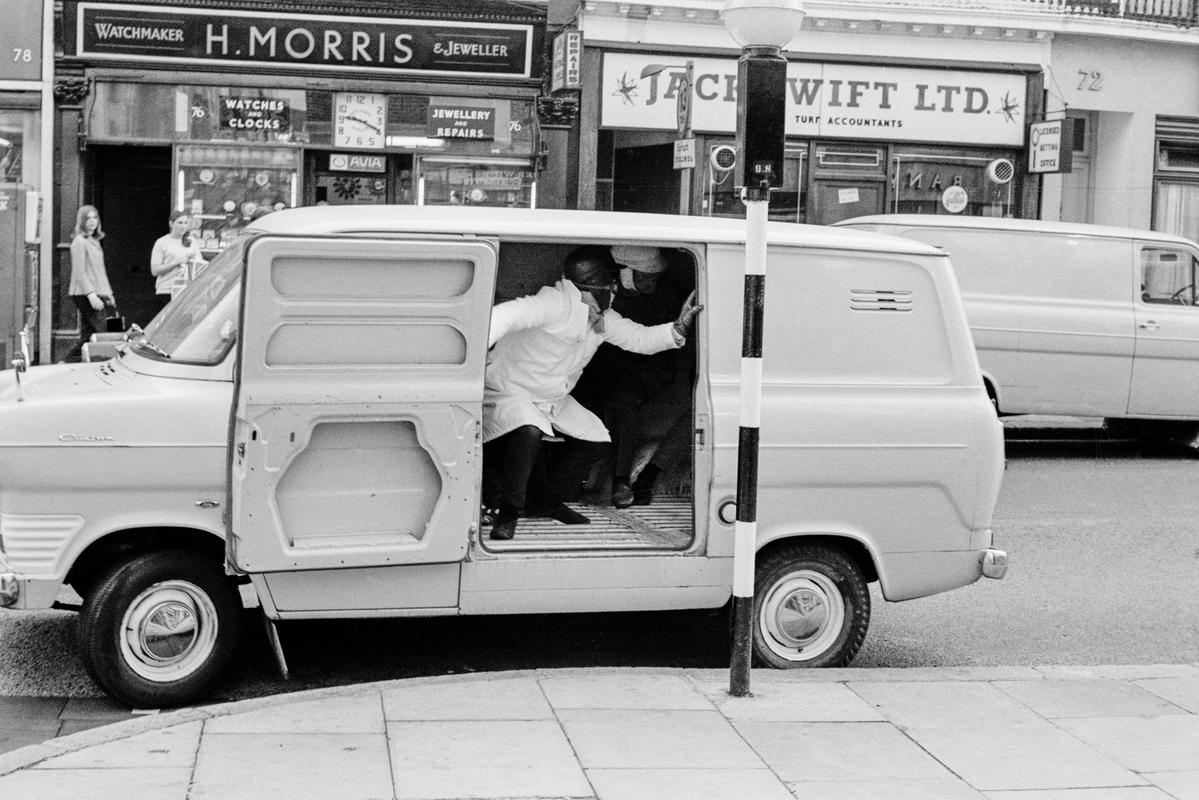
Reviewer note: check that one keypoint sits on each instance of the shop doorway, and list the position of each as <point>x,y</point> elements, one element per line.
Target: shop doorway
<point>850,181</point>
<point>131,186</point>
<point>645,180</point>
<point>338,179</point>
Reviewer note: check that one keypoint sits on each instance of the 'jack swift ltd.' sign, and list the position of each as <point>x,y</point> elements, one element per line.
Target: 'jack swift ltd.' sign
<point>834,100</point>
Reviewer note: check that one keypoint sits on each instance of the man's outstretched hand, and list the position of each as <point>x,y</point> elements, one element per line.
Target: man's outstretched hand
<point>687,313</point>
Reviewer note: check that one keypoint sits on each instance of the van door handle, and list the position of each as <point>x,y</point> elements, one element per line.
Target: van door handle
<point>1149,325</point>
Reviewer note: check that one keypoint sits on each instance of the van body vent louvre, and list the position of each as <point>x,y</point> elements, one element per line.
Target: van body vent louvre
<point>880,300</point>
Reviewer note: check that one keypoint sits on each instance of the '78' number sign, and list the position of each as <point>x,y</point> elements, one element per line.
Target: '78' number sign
<point>21,40</point>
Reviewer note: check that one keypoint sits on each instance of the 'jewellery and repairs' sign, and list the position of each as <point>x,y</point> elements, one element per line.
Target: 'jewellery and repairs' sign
<point>845,101</point>
<point>449,121</point>
<point>1050,149</point>
<point>179,35</point>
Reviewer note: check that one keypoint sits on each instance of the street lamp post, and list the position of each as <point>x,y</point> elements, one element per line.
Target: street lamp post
<point>762,28</point>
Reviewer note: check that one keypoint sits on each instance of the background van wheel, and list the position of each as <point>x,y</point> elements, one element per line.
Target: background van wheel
<point>157,631</point>
<point>811,608</point>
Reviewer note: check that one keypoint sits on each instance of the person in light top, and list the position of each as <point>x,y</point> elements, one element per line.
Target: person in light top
<point>172,253</point>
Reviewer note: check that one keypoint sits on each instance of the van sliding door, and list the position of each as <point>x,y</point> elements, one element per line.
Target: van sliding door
<point>355,432</point>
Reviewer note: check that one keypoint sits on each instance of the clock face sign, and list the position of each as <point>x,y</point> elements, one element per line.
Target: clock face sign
<point>359,119</point>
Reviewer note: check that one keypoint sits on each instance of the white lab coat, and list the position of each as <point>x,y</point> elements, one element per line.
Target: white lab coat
<point>541,343</point>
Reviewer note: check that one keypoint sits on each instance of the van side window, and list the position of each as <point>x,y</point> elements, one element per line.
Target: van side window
<point>1168,276</point>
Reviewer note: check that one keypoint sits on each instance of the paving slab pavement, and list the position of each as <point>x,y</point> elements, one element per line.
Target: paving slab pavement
<point>1027,733</point>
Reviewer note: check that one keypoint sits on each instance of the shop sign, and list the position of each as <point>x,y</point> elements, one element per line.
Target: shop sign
<point>349,162</point>
<point>21,40</point>
<point>255,114</point>
<point>955,199</point>
<point>568,55</point>
<point>845,101</point>
<point>684,154</point>
<point>179,35</point>
<point>510,179</point>
<point>1049,147</point>
<point>448,121</point>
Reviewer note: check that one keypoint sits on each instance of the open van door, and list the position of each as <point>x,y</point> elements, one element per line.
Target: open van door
<point>355,436</point>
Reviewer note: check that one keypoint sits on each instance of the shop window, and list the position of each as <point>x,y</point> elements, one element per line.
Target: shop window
<point>222,186</point>
<point>457,182</point>
<point>134,112</point>
<point>931,183</point>
<point>788,201</point>
<point>19,151</point>
<point>466,126</point>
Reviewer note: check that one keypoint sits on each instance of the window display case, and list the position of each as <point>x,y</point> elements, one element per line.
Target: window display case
<point>222,186</point>
<point>460,182</point>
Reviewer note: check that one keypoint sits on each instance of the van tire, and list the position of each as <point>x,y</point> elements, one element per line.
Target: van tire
<point>116,628</point>
<point>792,583</point>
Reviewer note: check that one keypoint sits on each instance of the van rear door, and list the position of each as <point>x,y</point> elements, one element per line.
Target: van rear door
<point>355,433</point>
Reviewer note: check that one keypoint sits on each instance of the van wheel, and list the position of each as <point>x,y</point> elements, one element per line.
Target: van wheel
<point>811,608</point>
<point>157,631</point>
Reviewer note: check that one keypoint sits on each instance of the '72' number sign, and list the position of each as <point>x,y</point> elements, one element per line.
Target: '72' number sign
<point>1090,80</point>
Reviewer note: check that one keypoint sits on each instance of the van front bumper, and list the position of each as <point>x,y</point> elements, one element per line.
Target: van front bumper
<point>21,591</point>
<point>10,589</point>
<point>994,563</point>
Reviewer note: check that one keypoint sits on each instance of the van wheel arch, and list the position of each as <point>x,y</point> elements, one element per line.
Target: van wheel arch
<point>853,549</point>
<point>120,546</point>
<point>993,394</point>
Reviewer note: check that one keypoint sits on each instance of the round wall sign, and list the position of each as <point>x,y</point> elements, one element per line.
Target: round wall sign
<point>955,199</point>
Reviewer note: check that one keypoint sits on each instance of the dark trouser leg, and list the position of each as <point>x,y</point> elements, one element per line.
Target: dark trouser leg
<point>87,325</point>
<point>511,461</point>
<point>572,467</point>
<point>509,465</point>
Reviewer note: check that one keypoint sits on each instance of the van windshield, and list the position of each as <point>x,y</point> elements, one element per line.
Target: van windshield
<point>199,325</point>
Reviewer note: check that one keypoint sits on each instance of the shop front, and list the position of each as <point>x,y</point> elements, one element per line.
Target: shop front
<point>861,139</point>
<point>228,113</point>
<point>24,172</point>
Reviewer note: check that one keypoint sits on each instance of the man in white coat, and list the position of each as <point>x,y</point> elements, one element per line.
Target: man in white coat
<point>540,345</point>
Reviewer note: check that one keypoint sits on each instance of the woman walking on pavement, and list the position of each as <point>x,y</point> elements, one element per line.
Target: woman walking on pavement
<point>89,286</point>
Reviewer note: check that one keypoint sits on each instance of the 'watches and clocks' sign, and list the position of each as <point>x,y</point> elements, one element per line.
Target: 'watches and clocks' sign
<point>177,35</point>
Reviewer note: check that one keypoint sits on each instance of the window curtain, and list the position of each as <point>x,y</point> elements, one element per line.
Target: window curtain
<point>1178,209</point>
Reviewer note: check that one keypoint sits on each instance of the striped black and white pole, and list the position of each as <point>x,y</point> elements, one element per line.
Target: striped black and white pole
<point>746,529</point>
<point>761,138</point>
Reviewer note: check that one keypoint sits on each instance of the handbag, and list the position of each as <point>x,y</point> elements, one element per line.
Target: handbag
<point>115,321</point>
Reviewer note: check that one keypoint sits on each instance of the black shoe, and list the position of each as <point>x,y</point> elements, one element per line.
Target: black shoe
<point>563,513</point>
<point>642,491</point>
<point>622,494</point>
<point>505,524</point>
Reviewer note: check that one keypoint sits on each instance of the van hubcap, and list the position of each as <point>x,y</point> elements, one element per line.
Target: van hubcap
<point>168,631</point>
<point>802,615</point>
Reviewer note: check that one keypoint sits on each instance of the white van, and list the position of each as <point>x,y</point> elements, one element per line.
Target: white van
<point>305,418</point>
<point>1071,319</point>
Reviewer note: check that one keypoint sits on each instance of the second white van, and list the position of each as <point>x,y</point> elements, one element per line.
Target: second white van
<point>1072,319</point>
